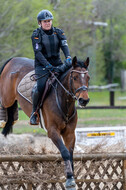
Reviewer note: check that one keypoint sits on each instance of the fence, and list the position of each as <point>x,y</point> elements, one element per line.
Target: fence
<point>44,172</point>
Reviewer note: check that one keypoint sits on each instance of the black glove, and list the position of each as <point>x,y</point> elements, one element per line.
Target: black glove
<point>59,69</point>
<point>62,68</point>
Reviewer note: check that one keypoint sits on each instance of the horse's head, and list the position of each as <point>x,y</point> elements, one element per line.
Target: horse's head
<point>79,81</point>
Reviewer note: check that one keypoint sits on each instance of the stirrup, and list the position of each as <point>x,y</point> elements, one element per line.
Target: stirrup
<point>34,119</point>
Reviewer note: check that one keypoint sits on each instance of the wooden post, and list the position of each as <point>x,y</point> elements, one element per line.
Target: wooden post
<point>124,174</point>
<point>112,94</point>
<point>29,186</point>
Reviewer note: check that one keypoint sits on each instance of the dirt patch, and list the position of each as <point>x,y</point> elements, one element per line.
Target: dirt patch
<point>38,144</point>
<point>26,144</point>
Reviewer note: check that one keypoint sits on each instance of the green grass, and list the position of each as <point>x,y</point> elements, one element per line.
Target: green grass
<point>102,98</point>
<point>24,128</point>
<point>103,117</point>
<point>23,116</point>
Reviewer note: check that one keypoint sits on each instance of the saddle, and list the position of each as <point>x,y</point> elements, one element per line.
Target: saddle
<point>28,84</point>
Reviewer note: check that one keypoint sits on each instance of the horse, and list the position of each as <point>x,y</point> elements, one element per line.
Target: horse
<point>59,110</point>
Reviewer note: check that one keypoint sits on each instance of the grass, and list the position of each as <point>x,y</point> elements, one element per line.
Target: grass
<point>103,117</point>
<point>86,117</point>
<point>25,128</point>
<point>102,98</point>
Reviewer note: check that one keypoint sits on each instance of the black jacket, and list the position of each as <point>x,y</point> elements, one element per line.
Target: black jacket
<point>47,44</point>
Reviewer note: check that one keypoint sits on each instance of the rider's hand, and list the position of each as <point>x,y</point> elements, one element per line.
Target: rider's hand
<point>68,60</point>
<point>49,67</point>
<point>58,69</point>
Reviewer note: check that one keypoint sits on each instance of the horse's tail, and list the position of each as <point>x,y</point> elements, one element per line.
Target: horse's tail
<point>2,67</point>
<point>9,124</point>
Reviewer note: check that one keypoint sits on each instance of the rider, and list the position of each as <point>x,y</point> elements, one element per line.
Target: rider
<point>47,41</point>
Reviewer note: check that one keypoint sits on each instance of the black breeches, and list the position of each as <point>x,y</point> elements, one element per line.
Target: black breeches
<point>40,71</point>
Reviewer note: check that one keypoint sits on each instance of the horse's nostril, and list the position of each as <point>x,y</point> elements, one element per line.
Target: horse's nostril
<point>83,102</point>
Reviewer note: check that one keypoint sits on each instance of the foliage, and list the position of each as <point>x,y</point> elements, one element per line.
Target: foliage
<point>18,20</point>
<point>75,17</point>
<point>113,36</point>
<point>104,45</point>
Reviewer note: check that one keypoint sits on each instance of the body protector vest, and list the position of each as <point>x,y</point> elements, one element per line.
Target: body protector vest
<point>46,46</point>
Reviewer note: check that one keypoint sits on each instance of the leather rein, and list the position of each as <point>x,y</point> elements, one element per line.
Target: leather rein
<point>73,95</point>
<point>66,117</point>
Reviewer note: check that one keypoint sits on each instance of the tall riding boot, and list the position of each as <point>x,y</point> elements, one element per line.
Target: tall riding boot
<point>34,116</point>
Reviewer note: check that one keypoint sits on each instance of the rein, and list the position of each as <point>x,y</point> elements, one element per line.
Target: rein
<point>34,78</point>
<point>66,117</point>
<point>67,92</point>
<point>73,95</point>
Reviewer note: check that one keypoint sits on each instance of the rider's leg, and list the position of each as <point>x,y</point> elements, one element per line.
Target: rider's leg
<point>37,94</point>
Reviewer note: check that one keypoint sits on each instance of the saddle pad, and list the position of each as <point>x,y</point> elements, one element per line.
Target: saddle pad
<point>25,86</point>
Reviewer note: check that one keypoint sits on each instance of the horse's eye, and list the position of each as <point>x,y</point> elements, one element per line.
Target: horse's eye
<point>75,78</point>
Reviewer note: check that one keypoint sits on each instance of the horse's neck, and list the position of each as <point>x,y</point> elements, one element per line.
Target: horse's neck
<point>66,101</point>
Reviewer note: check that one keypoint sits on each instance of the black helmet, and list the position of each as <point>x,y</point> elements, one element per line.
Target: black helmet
<point>44,15</point>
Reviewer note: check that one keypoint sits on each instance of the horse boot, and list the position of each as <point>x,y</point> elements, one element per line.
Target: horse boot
<point>36,99</point>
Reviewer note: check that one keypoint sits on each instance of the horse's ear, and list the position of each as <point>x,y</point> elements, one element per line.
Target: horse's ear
<point>74,61</point>
<point>86,63</point>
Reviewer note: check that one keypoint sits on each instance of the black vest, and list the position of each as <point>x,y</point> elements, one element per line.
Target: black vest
<point>50,44</point>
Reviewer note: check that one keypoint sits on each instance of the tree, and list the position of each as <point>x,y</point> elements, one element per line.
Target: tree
<point>17,22</point>
<point>113,38</point>
<point>76,18</point>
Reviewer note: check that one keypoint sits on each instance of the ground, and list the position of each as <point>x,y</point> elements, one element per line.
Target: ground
<point>41,144</point>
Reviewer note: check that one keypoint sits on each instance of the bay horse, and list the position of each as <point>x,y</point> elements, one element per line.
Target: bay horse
<point>59,111</point>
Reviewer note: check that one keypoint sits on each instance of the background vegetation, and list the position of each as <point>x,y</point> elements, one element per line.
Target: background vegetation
<point>104,44</point>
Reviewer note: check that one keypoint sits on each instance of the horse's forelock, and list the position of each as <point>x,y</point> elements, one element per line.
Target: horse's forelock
<point>81,64</point>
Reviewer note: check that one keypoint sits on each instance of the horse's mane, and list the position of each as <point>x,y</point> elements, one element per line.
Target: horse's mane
<point>80,63</point>
<point>63,75</point>
<point>1,69</point>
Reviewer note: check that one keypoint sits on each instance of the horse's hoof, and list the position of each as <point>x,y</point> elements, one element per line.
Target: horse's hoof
<point>71,188</point>
<point>70,184</point>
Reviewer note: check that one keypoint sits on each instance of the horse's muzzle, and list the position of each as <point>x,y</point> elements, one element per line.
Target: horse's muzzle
<point>82,102</point>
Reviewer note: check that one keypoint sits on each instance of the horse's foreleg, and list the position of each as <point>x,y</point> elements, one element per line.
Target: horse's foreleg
<point>56,138</point>
<point>69,140</point>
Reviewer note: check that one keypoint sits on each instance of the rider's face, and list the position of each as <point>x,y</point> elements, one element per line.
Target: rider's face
<point>46,24</point>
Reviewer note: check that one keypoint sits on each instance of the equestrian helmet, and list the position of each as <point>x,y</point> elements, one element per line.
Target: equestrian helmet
<point>44,15</point>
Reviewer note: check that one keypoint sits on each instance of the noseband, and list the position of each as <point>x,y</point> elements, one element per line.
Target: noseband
<point>82,88</point>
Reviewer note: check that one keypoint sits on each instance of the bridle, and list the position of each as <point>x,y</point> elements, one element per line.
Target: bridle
<point>82,88</point>
<point>66,117</point>
<point>71,93</point>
